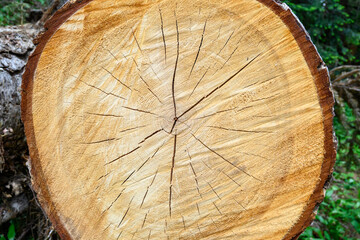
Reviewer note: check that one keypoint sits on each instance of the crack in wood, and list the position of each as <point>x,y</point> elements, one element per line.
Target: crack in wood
<point>105,175</point>
<point>104,140</point>
<point>147,189</point>
<point>104,115</point>
<point>128,177</point>
<point>229,57</point>
<point>239,204</point>
<point>213,190</point>
<point>125,154</point>
<point>99,89</point>
<point>126,211</point>
<point>107,227</point>
<point>174,74</point>
<point>151,156</point>
<point>113,201</point>
<point>198,52</point>
<point>151,135</point>
<point>221,171</point>
<point>219,87</point>
<point>238,130</point>
<point>226,41</point>
<point>137,43</point>
<point>155,95</point>
<point>217,209</point>
<point>119,235</point>
<point>199,229</point>
<point>232,164</point>
<point>148,87</point>
<point>171,173</point>
<point>142,226</point>
<point>195,176</point>
<point>139,110</point>
<point>117,79</point>
<point>198,82</point>
<point>198,209</point>
<point>109,52</point>
<point>231,178</point>
<point>214,223</point>
<point>162,32</point>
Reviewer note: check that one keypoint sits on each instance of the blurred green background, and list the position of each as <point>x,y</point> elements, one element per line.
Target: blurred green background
<point>334,26</point>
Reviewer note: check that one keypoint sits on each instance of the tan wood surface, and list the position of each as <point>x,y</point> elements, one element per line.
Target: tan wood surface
<point>178,120</point>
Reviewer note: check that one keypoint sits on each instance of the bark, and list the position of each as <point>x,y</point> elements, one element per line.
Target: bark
<point>15,46</point>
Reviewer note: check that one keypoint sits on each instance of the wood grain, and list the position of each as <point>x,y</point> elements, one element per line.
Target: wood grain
<point>178,119</point>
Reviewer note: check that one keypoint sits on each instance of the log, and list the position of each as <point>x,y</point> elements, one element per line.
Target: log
<point>178,120</point>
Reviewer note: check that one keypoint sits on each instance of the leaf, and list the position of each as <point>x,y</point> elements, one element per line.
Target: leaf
<point>11,232</point>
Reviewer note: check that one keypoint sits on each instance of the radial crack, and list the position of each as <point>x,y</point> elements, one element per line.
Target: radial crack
<point>104,115</point>
<point>214,191</point>
<point>151,135</point>
<point>217,209</point>
<point>109,52</point>
<point>104,140</point>
<point>172,172</point>
<point>218,87</point>
<point>216,153</point>
<point>238,130</point>
<point>128,177</point>
<point>199,82</point>
<point>239,204</point>
<point>175,68</point>
<point>139,110</point>
<point>122,219</point>
<point>229,57</point>
<point>113,201</point>
<point>226,41</point>
<point>117,79</point>
<point>198,52</point>
<point>162,32</point>
<point>195,176</point>
<point>105,92</point>
<point>137,43</point>
<point>148,87</point>
<point>145,219</point>
<point>147,189</point>
<point>123,155</point>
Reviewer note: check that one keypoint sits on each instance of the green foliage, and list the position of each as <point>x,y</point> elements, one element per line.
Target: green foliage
<point>333,26</point>
<point>14,12</point>
<point>11,232</point>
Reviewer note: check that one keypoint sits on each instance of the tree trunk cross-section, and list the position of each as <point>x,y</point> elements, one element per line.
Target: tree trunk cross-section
<point>178,120</point>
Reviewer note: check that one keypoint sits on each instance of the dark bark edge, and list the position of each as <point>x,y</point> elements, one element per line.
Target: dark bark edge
<point>325,96</point>
<point>37,176</point>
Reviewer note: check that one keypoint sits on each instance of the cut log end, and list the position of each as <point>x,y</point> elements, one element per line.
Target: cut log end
<point>178,119</point>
